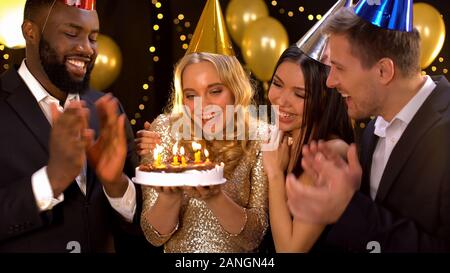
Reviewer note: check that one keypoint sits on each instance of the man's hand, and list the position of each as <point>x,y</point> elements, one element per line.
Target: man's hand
<point>107,155</point>
<point>67,145</point>
<point>335,182</point>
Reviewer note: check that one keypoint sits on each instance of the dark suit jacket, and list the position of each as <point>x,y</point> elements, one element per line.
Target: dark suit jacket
<point>24,139</point>
<point>411,211</point>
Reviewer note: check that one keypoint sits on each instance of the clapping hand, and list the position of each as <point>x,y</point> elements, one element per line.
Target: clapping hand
<point>68,141</point>
<point>335,182</point>
<point>107,154</point>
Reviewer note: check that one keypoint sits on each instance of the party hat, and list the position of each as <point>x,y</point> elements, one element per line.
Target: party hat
<point>314,42</point>
<point>387,14</point>
<point>211,34</point>
<point>81,4</point>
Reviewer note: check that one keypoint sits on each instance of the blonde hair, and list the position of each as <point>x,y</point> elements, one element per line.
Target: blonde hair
<point>233,76</point>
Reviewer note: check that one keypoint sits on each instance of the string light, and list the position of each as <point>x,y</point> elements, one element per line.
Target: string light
<point>155,58</point>
<point>290,14</point>
<point>274,3</point>
<point>5,58</point>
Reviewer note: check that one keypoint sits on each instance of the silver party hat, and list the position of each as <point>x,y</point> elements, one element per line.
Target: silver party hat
<point>314,42</point>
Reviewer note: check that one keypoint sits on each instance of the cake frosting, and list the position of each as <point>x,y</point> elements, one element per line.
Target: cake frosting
<point>205,174</point>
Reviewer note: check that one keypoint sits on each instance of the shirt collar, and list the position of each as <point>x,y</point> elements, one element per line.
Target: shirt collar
<point>408,111</point>
<point>36,87</point>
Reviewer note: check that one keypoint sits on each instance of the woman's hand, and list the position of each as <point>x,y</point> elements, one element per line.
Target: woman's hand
<point>203,192</point>
<point>146,140</point>
<point>173,193</point>
<point>276,162</point>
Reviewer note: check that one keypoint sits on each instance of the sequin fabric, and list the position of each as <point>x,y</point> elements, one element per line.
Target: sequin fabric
<point>199,230</point>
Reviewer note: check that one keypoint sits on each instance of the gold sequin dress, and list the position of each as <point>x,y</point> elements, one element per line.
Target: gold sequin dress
<point>199,230</point>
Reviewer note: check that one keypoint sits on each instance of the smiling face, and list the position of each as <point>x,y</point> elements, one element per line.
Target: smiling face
<point>288,92</point>
<point>68,47</point>
<point>201,80</point>
<point>358,85</point>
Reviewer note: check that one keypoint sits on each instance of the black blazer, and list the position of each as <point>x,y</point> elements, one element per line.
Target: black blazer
<point>24,139</point>
<point>411,211</point>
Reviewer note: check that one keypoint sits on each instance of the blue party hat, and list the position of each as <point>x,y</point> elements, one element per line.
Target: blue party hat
<point>387,14</point>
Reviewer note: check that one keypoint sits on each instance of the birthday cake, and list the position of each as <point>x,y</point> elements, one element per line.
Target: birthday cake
<point>181,171</point>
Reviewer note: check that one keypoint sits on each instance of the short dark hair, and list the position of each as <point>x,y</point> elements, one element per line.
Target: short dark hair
<point>33,6</point>
<point>371,43</point>
<point>325,113</point>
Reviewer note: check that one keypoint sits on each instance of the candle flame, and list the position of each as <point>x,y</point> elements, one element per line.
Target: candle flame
<point>196,146</point>
<point>175,149</point>
<point>182,150</point>
<point>158,149</point>
<point>206,153</point>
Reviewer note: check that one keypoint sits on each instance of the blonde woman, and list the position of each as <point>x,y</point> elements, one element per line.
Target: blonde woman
<point>228,218</point>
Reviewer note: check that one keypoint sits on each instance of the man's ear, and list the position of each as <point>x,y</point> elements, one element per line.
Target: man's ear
<point>30,32</point>
<point>386,70</point>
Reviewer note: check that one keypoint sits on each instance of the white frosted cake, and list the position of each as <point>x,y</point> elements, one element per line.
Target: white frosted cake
<point>204,174</point>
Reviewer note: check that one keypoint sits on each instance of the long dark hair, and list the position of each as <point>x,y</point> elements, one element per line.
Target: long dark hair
<point>325,112</point>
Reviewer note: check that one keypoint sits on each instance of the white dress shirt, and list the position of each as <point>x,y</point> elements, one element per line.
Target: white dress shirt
<point>389,133</point>
<point>40,183</point>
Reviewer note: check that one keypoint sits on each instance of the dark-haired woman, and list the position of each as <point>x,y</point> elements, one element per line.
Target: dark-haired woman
<point>308,110</point>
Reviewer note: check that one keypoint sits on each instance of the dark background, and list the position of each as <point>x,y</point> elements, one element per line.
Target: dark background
<point>130,23</point>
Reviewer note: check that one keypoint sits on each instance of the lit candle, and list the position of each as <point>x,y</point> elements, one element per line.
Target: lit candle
<point>206,155</point>
<point>183,159</point>
<point>197,153</point>
<point>175,155</point>
<point>157,156</point>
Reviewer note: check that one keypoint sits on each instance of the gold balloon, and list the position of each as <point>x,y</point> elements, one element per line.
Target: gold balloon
<point>11,17</point>
<point>241,13</point>
<point>263,43</point>
<point>108,63</point>
<point>431,26</point>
